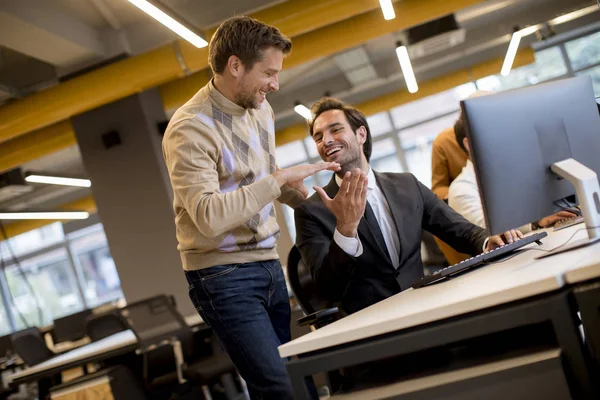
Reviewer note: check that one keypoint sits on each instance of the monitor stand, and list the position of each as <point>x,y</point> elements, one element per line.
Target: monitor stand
<point>588,193</point>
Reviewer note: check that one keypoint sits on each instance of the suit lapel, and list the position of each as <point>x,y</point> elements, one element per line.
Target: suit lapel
<point>393,199</point>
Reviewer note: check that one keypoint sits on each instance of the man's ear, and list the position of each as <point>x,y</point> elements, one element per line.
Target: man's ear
<point>466,144</point>
<point>235,66</point>
<point>361,135</point>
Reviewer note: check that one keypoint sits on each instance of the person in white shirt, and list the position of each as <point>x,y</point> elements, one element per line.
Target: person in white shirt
<point>463,194</point>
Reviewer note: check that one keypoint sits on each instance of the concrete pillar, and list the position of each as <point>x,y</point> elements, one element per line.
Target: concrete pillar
<point>132,191</point>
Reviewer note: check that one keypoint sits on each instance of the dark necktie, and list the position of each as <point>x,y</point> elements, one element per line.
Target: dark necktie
<point>374,225</point>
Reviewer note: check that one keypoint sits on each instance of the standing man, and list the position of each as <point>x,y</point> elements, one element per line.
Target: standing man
<point>220,152</point>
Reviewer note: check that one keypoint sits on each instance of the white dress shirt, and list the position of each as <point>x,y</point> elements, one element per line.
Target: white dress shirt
<point>381,209</point>
<point>463,197</point>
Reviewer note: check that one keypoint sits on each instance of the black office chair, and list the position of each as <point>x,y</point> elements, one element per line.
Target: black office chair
<point>316,310</point>
<point>30,346</point>
<point>103,325</point>
<point>70,327</point>
<point>6,347</point>
<point>166,341</point>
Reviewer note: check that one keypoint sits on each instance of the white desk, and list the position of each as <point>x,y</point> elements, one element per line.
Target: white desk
<point>498,284</point>
<point>102,349</point>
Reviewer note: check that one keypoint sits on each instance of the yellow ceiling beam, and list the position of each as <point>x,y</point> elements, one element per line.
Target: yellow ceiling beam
<point>388,101</point>
<point>17,228</point>
<point>338,36</point>
<point>36,144</point>
<point>144,71</point>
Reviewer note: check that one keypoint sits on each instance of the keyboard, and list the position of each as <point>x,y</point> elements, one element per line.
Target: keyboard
<point>478,260</point>
<point>567,222</point>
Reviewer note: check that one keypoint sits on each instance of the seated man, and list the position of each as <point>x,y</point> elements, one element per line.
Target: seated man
<point>463,195</point>
<point>360,234</point>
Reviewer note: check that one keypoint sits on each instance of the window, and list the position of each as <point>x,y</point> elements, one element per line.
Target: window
<point>384,157</point>
<point>431,106</point>
<point>55,276</point>
<point>4,323</point>
<point>549,63</point>
<point>42,289</point>
<point>379,124</point>
<point>595,74</point>
<point>101,282</point>
<point>32,240</point>
<point>290,154</point>
<point>584,52</point>
<point>416,143</point>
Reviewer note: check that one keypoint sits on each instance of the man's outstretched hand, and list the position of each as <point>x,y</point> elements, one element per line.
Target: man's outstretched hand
<point>294,176</point>
<point>349,204</point>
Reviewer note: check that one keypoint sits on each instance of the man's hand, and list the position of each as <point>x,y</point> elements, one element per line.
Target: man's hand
<point>554,218</point>
<point>500,240</point>
<point>349,204</point>
<point>294,176</point>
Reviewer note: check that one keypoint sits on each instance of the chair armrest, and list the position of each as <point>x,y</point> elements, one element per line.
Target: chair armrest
<point>318,317</point>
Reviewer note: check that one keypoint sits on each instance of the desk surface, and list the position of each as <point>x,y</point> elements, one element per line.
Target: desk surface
<point>113,342</point>
<point>513,279</point>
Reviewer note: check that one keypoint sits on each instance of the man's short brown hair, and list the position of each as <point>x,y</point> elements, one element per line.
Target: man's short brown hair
<point>460,131</point>
<point>245,38</point>
<point>355,118</point>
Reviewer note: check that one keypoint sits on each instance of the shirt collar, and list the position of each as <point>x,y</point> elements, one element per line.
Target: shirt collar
<point>370,177</point>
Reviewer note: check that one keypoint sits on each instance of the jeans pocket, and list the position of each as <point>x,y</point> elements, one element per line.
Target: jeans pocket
<point>216,271</point>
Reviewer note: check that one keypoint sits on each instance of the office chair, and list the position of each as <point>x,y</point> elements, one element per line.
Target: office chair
<point>30,346</point>
<point>70,327</point>
<point>6,347</point>
<point>316,311</point>
<point>103,325</point>
<point>166,340</point>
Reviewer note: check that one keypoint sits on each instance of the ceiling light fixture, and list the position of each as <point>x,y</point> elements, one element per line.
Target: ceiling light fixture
<point>303,111</point>
<point>513,46</point>
<point>167,17</point>
<point>573,15</point>
<point>58,180</point>
<point>388,9</point>
<point>45,215</point>
<point>406,66</point>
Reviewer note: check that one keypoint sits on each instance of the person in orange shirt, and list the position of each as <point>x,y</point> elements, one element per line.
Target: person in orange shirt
<point>447,162</point>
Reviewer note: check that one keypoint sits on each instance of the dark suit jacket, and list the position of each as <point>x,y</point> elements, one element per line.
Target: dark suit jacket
<point>359,282</point>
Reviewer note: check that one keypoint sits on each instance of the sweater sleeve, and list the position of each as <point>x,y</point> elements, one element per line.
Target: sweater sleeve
<point>191,153</point>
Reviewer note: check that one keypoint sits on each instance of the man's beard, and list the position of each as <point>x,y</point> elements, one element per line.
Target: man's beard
<point>354,161</point>
<point>245,98</point>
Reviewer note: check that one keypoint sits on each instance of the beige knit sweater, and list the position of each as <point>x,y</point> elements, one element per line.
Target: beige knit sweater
<point>220,158</point>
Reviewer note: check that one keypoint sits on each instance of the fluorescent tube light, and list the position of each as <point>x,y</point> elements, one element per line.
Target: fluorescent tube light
<point>407,70</point>
<point>170,22</point>
<point>513,47</point>
<point>45,215</point>
<point>388,9</point>
<point>573,15</point>
<point>303,111</point>
<point>57,180</point>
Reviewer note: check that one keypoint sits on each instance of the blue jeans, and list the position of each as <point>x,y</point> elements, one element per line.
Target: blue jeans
<point>247,306</point>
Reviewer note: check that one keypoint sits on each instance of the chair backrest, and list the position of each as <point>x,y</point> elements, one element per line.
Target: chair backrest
<point>302,284</point>
<point>154,320</point>
<point>71,327</point>
<point>30,346</point>
<point>103,325</point>
<point>6,347</point>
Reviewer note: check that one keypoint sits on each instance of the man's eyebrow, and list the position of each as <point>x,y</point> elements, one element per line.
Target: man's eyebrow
<point>272,71</point>
<point>332,125</point>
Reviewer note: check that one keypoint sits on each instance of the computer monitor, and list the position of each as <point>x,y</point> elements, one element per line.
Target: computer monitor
<point>516,139</point>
